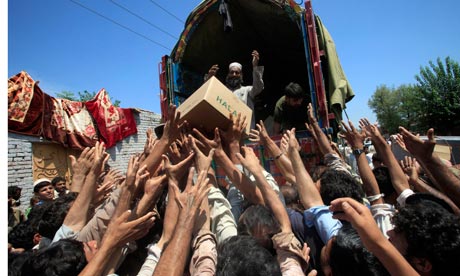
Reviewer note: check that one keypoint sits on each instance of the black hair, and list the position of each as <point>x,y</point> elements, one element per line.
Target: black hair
<point>57,179</point>
<point>432,233</point>
<point>54,216</point>
<point>243,255</point>
<point>382,175</point>
<point>317,171</point>
<point>12,190</point>
<point>259,222</point>
<point>419,198</point>
<point>22,235</point>
<point>337,184</point>
<point>65,257</point>
<point>348,255</point>
<point>294,90</point>
<point>290,193</point>
<point>16,261</point>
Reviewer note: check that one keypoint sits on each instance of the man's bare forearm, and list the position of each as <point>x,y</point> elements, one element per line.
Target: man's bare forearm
<point>241,181</point>
<point>153,160</point>
<point>175,255</point>
<point>397,176</point>
<point>370,184</point>
<point>308,193</point>
<point>447,181</point>
<point>78,215</point>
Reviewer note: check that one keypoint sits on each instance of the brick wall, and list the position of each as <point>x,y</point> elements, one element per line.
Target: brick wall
<point>122,151</point>
<point>20,153</point>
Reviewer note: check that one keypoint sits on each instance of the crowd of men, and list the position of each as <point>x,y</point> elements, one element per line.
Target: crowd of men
<point>167,214</point>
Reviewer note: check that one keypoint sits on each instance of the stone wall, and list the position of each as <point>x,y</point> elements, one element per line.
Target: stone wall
<point>20,153</point>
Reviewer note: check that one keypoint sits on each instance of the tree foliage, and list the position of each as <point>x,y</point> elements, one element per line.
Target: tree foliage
<point>439,90</point>
<point>434,101</point>
<point>394,107</point>
<point>82,96</point>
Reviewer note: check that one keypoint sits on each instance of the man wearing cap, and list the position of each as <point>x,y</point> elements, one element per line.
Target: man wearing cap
<point>234,81</point>
<point>44,190</point>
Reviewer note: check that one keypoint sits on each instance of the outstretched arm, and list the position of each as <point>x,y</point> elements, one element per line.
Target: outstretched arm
<point>423,151</point>
<point>361,218</point>
<point>321,138</point>
<point>257,74</point>
<point>409,167</point>
<point>241,181</point>
<point>279,157</point>
<point>356,141</point>
<point>119,232</point>
<point>170,133</point>
<point>78,214</point>
<point>252,163</point>
<point>80,168</point>
<point>398,179</point>
<point>308,193</point>
<point>174,257</point>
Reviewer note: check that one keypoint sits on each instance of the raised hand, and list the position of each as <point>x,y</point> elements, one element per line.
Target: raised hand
<point>172,127</point>
<point>311,116</point>
<point>83,164</point>
<point>176,172</point>
<point>293,144</point>
<point>102,193</point>
<point>100,158</point>
<point>410,168</point>
<point>131,172</point>
<point>202,162</point>
<point>121,231</point>
<point>351,134</point>
<point>207,143</point>
<point>149,143</point>
<point>371,129</point>
<point>255,58</point>
<point>192,196</point>
<point>154,184</point>
<point>213,70</point>
<point>250,160</point>
<point>175,152</point>
<point>235,130</point>
<point>398,139</point>
<point>284,144</point>
<point>260,134</point>
<point>113,177</point>
<point>423,150</point>
<point>142,175</point>
<point>254,135</point>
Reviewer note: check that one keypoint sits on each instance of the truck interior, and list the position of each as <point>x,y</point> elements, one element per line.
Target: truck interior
<point>224,31</point>
<point>265,26</point>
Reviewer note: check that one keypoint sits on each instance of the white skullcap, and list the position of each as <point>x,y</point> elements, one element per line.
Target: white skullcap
<point>235,64</point>
<point>41,180</point>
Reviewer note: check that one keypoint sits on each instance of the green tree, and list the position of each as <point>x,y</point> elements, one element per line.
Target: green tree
<point>68,95</point>
<point>82,97</point>
<point>385,104</point>
<point>409,107</point>
<point>439,91</point>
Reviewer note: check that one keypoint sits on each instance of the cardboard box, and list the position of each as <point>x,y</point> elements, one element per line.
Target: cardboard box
<point>210,107</point>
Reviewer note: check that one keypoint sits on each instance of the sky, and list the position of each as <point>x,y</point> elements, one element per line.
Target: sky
<point>69,48</point>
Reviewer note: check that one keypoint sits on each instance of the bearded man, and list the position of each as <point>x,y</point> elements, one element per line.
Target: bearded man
<point>234,81</point>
